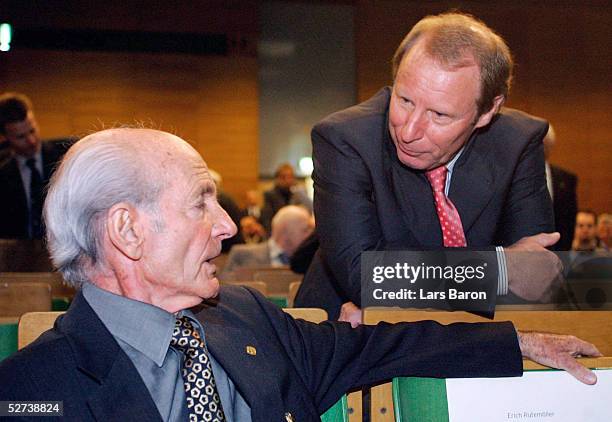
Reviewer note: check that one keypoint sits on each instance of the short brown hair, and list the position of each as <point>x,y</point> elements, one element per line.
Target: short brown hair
<point>454,40</point>
<point>14,107</point>
<point>283,167</point>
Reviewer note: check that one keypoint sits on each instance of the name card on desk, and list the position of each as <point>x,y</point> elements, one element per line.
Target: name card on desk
<point>539,396</point>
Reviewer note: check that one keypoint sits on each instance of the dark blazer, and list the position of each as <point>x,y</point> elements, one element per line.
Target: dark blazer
<point>565,205</point>
<point>299,368</point>
<point>275,199</point>
<point>14,214</point>
<point>366,199</point>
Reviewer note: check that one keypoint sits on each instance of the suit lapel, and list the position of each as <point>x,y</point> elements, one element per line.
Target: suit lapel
<point>122,395</point>
<point>249,369</point>
<point>472,188</point>
<point>414,197</point>
<point>472,184</point>
<point>120,392</point>
<point>417,205</point>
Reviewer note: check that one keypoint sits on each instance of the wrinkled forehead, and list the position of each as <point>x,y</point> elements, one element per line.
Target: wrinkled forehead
<point>162,155</point>
<point>182,163</point>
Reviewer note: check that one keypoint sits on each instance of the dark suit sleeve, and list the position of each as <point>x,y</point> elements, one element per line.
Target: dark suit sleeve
<point>528,207</point>
<point>565,206</point>
<point>267,212</point>
<point>344,208</point>
<point>332,358</point>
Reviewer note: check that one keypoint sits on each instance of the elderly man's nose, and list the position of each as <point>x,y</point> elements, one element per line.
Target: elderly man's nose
<point>223,226</point>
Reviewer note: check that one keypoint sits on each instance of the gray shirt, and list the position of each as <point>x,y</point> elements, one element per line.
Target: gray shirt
<point>143,332</point>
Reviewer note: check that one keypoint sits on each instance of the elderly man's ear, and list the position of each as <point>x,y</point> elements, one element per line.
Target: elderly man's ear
<point>125,230</point>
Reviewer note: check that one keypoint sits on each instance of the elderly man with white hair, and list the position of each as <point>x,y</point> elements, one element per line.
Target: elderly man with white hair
<point>133,220</point>
<point>290,226</point>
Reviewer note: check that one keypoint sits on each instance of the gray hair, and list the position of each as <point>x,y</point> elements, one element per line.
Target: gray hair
<point>98,172</point>
<point>291,219</point>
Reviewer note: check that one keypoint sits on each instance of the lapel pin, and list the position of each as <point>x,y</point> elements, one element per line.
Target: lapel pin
<point>289,417</point>
<point>251,350</point>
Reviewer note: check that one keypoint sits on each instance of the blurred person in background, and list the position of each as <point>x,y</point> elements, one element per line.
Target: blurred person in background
<point>585,237</point>
<point>232,209</point>
<point>251,230</point>
<point>252,204</point>
<point>286,191</point>
<point>604,231</point>
<point>25,168</point>
<point>290,226</point>
<point>562,188</point>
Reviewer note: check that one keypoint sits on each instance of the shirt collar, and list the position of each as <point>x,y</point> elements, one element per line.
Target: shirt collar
<point>451,163</point>
<point>22,161</point>
<point>275,250</point>
<point>144,327</point>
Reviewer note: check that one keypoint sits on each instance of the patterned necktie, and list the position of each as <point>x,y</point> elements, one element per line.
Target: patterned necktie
<point>203,400</point>
<point>450,222</point>
<point>36,200</point>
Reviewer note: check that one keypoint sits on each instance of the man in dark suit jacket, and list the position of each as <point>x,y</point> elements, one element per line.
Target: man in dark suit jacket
<point>562,187</point>
<point>565,205</point>
<point>371,163</point>
<point>20,217</point>
<point>139,239</point>
<point>285,192</point>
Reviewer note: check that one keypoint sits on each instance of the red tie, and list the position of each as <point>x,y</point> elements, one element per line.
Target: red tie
<point>450,222</point>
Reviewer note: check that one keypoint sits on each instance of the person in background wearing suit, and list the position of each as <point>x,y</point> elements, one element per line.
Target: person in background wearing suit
<point>290,226</point>
<point>251,204</point>
<point>231,208</point>
<point>25,168</point>
<point>252,232</point>
<point>604,231</point>
<point>585,236</point>
<point>285,192</point>
<point>133,219</point>
<point>433,162</point>
<point>562,188</point>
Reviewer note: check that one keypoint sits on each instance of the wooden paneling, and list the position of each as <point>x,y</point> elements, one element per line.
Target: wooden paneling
<point>209,101</point>
<point>563,56</point>
<point>212,16</point>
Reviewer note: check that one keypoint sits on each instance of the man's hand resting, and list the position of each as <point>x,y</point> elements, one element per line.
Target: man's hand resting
<point>534,273</point>
<point>349,312</point>
<point>559,351</point>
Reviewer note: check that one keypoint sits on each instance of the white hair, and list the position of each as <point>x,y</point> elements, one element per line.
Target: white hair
<point>291,221</point>
<point>98,172</point>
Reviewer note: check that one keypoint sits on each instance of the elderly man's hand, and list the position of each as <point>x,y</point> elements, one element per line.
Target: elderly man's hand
<point>349,312</point>
<point>559,351</point>
<point>534,273</point>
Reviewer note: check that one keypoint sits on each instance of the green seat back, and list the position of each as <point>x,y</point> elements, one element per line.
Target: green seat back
<point>420,399</point>
<point>60,304</point>
<point>337,413</point>
<point>279,301</point>
<point>8,340</point>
